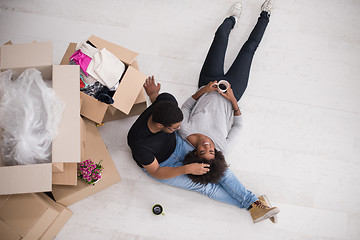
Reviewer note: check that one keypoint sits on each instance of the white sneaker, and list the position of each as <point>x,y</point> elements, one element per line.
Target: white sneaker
<point>236,11</point>
<point>267,6</point>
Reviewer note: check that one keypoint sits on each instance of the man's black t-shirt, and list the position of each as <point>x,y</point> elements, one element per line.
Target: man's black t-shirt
<point>146,145</point>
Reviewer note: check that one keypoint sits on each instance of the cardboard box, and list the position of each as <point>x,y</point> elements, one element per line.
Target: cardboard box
<point>31,216</point>
<point>68,175</point>
<point>57,168</point>
<point>66,146</point>
<point>95,150</point>
<point>7,233</point>
<point>27,215</point>
<point>62,218</point>
<point>129,93</point>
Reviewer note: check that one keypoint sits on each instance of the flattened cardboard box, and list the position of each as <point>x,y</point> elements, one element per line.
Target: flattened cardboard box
<point>66,146</point>
<point>28,215</point>
<point>64,216</point>
<point>128,91</point>
<point>95,150</point>
<point>32,216</point>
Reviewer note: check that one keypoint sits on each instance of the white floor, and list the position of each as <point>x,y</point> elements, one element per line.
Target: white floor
<point>301,142</point>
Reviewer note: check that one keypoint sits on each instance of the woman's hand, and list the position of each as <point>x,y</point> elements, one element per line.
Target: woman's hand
<point>152,89</point>
<point>197,168</point>
<point>229,94</point>
<point>211,86</point>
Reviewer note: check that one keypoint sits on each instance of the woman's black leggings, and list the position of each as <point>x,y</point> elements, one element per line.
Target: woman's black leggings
<point>238,73</point>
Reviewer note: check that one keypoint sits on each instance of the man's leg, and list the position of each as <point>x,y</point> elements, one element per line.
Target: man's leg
<point>213,68</point>
<point>229,190</point>
<point>238,74</point>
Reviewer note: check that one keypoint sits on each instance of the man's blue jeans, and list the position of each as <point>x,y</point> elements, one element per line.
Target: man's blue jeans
<point>228,190</point>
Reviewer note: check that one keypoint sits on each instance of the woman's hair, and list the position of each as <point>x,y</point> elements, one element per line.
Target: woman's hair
<point>218,167</point>
<point>167,113</point>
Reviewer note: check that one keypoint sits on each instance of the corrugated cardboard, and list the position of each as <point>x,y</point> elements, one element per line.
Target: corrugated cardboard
<point>139,106</point>
<point>67,177</point>
<point>69,174</point>
<point>7,233</point>
<point>66,146</point>
<point>64,216</point>
<point>57,167</point>
<point>125,55</point>
<point>31,216</point>
<point>129,88</point>
<point>95,150</point>
<point>28,215</point>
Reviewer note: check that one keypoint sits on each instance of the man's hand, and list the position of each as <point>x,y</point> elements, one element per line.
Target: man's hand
<point>197,168</point>
<point>152,89</point>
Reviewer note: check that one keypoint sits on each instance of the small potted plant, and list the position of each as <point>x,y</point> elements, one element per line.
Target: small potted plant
<point>89,171</point>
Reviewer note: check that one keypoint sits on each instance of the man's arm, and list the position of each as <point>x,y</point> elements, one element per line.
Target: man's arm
<point>158,172</point>
<point>152,89</point>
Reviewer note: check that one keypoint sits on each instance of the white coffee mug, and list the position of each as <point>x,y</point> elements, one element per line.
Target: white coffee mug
<point>223,85</point>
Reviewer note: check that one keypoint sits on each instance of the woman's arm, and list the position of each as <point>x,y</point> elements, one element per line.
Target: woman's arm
<point>229,95</point>
<point>190,102</point>
<point>207,88</point>
<point>234,132</point>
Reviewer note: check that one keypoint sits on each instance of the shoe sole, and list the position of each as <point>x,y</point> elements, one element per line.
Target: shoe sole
<point>274,218</point>
<point>268,215</point>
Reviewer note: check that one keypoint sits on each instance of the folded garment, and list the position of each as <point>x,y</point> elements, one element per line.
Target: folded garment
<point>87,49</point>
<point>100,92</point>
<point>88,80</point>
<point>106,68</point>
<point>81,59</point>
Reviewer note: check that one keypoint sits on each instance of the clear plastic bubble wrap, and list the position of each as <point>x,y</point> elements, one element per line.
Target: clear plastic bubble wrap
<point>30,113</point>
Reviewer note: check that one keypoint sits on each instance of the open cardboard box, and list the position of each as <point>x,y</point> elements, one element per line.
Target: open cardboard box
<point>68,175</point>
<point>95,150</point>
<point>66,146</point>
<point>31,216</point>
<point>129,98</point>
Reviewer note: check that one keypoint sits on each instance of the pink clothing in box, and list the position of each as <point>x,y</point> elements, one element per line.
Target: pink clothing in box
<point>82,60</point>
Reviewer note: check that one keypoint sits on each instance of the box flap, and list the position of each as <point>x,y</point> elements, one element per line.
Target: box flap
<point>95,150</point>
<point>83,138</point>
<point>115,114</point>
<point>28,215</point>
<point>25,178</point>
<point>124,54</point>
<point>22,56</point>
<point>7,233</point>
<point>128,90</point>
<point>60,221</point>
<point>67,177</point>
<point>92,108</point>
<point>141,97</point>
<point>69,52</point>
<point>3,199</point>
<point>66,145</point>
<point>57,167</point>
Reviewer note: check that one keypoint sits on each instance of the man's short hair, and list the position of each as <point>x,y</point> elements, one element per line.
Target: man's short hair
<point>167,113</point>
